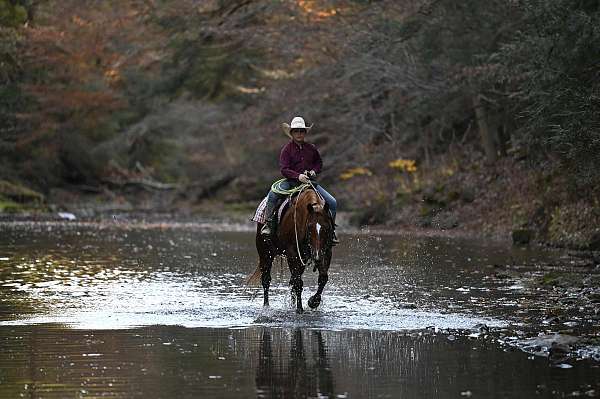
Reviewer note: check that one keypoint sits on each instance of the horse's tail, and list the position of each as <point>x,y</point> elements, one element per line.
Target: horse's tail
<point>255,277</point>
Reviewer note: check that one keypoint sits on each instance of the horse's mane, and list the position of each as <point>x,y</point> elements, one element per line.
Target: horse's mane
<point>299,212</point>
<point>309,196</point>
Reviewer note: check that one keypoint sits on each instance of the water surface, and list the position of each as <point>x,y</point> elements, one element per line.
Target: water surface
<point>162,311</point>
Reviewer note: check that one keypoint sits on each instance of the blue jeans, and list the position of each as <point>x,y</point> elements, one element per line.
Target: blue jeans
<point>273,198</point>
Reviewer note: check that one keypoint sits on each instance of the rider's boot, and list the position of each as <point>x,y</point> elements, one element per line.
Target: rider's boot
<point>269,226</point>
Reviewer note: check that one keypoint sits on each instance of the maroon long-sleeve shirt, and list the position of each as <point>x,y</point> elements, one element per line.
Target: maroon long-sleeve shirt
<point>294,159</point>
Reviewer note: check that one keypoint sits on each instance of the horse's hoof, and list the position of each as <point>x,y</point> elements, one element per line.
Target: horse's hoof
<point>299,310</point>
<point>314,301</point>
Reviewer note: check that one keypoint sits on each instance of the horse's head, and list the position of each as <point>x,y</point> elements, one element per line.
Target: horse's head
<point>320,228</point>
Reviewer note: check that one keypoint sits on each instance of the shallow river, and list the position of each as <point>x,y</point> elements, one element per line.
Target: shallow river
<point>161,311</point>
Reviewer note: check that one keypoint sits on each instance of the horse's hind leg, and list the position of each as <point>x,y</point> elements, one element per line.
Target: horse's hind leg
<point>266,280</point>
<point>315,300</point>
<point>266,255</point>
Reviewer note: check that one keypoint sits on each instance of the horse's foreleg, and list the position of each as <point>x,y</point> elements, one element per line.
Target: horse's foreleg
<point>296,270</point>
<point>297,284</point>
<point>315,300</point>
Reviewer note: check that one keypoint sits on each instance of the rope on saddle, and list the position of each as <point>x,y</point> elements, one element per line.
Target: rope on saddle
<point>276,188</point>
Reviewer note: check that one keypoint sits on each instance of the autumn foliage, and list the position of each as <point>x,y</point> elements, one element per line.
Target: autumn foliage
<point>192,93</point>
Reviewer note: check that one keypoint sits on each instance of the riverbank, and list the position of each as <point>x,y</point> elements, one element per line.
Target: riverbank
<point>505,201</point>
<point>469,219</point>
<point>458,195</point>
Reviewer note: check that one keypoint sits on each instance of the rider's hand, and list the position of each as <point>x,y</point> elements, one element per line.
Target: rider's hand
<point>303,178</point>
<point>312,173</point>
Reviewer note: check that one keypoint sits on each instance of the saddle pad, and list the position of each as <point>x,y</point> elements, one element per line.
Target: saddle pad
<point>259,215</point>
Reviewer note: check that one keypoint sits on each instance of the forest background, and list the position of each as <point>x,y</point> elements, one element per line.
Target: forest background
<point>480,116</point>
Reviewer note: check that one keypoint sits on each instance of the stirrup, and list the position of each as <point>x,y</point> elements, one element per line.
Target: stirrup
<point>334,239</point>
<point>265,230</point>
<point>268,228</point>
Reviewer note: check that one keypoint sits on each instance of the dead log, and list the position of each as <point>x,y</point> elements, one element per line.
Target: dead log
<point>204,189</point>
<point>143,183</point>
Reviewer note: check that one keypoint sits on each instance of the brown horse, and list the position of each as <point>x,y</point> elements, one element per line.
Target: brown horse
<point>308,219</point>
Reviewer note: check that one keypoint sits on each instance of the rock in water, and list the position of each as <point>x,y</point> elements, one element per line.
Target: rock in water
<point>66,216</point>
<point>594,243</point>
<point>558,352</point>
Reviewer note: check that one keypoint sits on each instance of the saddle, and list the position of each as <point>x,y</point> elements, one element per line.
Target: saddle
<point>261,217</point>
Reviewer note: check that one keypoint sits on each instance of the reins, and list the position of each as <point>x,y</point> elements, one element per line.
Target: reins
<point>276,188</point>
<point>305,185</point>
<point>296,225</point>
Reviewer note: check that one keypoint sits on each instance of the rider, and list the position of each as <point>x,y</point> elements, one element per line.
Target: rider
<point>299,161</point>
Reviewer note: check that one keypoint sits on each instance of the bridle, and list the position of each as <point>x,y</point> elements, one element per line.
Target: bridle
<point>307,238</point>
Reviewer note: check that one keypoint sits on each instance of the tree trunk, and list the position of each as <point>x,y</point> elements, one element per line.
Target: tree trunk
<point>487,138</point>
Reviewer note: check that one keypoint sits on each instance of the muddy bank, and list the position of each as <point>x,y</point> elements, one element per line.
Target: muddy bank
<point>507,201</point>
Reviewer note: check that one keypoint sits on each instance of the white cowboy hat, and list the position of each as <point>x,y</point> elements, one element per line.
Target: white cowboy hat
<point>297,123</point>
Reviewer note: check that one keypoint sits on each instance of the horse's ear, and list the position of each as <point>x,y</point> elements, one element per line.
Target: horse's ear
<point>310,208</point>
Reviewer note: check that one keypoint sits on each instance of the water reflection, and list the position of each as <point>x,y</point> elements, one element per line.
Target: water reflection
<point>177,362</point>
<point>306,375</point>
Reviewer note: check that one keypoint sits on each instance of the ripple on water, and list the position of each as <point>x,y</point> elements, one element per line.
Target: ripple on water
<point>120,279</point>
<point>208,301</point>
